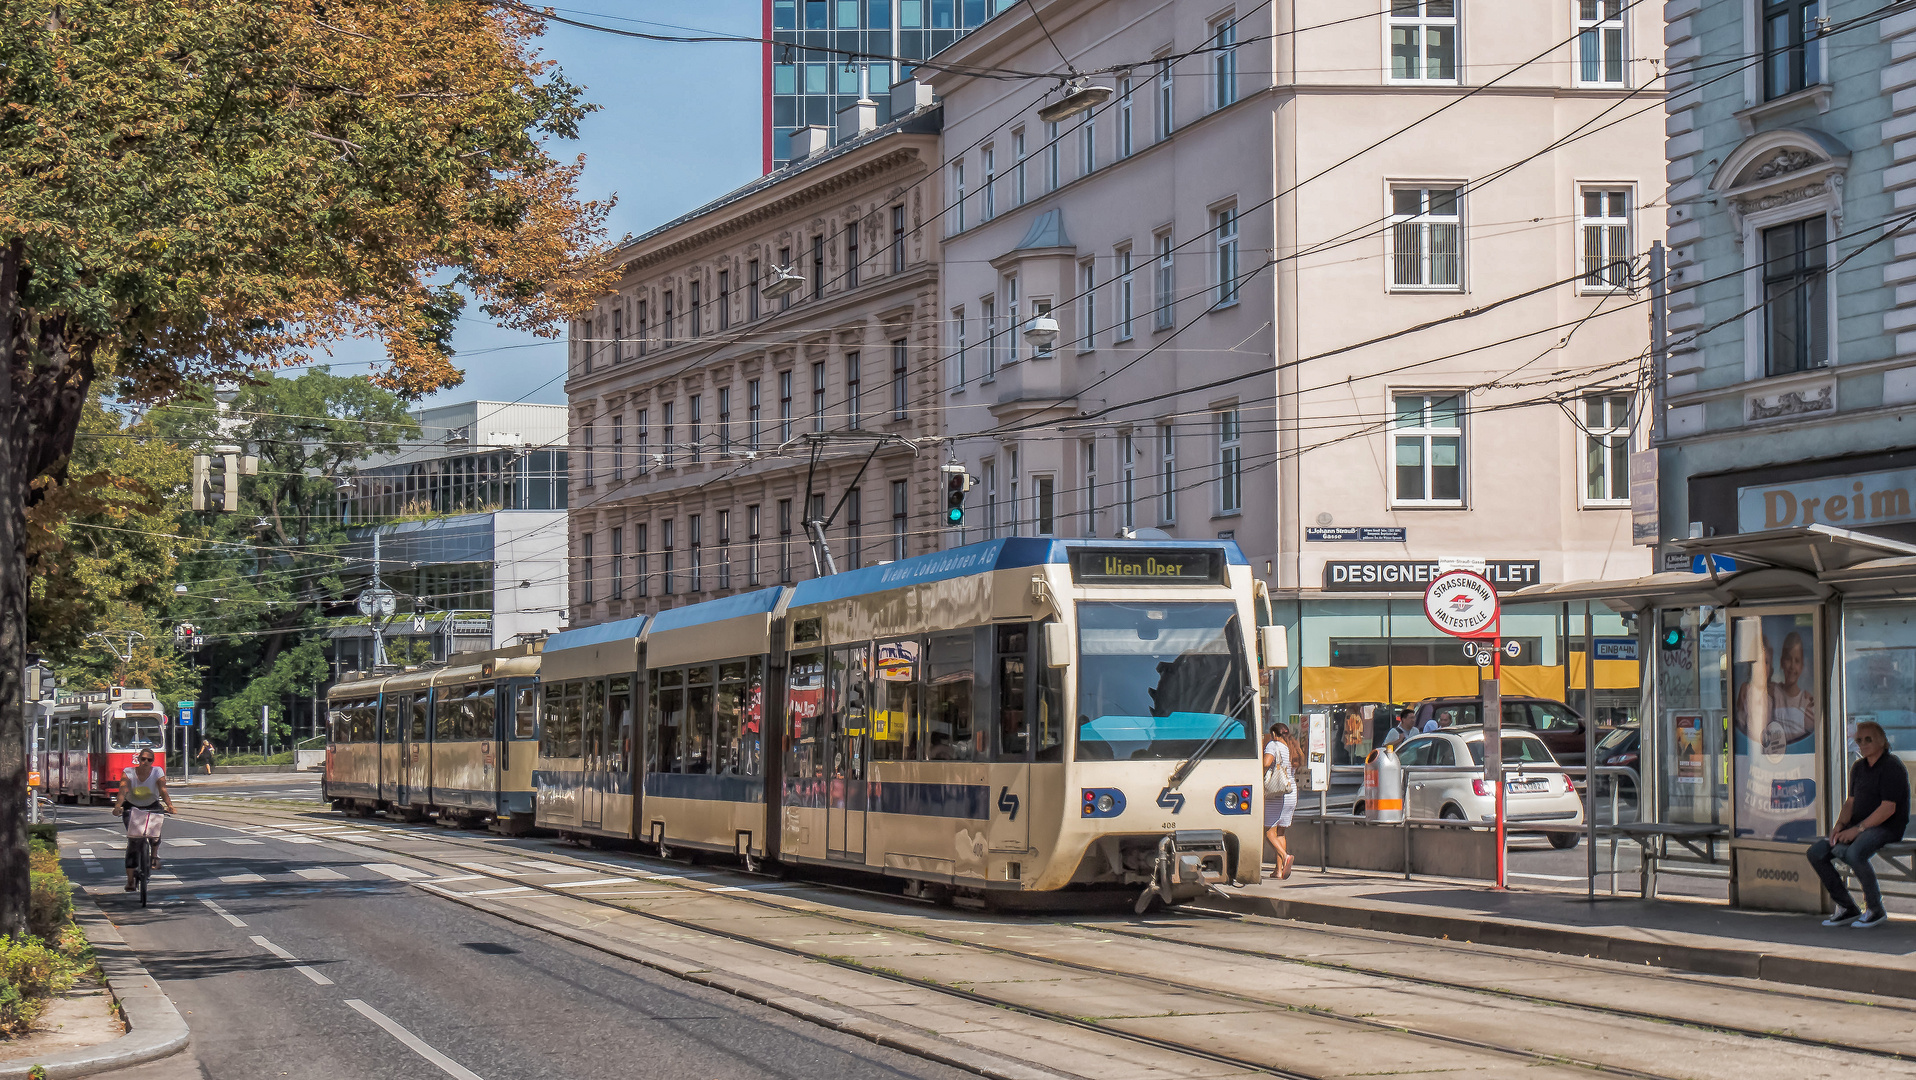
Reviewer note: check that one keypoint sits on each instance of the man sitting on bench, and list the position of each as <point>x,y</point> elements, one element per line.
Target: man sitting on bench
<point>1878,803</point>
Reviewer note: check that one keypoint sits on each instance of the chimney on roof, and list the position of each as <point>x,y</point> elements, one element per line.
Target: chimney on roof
<point>857,118</point>
<point>807,141</point>
<point>909,96</point>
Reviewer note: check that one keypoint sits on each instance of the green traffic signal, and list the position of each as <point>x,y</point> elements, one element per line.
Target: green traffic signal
<point>955,515</point>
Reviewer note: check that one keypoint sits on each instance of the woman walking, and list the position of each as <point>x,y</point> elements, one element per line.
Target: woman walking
<point>1281,756</point>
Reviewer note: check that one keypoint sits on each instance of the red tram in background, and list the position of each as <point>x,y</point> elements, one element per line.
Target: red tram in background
<point>88,740</point>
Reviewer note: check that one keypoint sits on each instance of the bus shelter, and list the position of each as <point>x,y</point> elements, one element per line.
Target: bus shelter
<point>1756,668</point>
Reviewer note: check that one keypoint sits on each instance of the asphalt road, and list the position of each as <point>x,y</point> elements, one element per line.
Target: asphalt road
<point>280,787</point>
<point>290,957</point>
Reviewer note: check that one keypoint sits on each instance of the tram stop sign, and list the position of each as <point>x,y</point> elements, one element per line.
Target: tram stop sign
<point>187,710</point>
<point>1462,603</point>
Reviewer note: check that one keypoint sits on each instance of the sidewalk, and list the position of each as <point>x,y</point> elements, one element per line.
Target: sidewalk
<point>1697,936</point>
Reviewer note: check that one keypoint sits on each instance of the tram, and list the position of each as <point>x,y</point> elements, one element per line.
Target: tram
<point>90,739</point>
<point>455,741</point>
<point>1016,716</point>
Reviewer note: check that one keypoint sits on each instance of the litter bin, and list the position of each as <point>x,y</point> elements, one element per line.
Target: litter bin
<point>1383,793</point>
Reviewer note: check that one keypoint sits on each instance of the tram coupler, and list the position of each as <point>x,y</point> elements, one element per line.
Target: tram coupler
<point>1190,863</point>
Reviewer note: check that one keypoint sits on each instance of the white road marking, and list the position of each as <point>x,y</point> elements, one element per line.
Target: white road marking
<point>86,851</point>
<point>291,959</point>
<point>396,872</point>
<point>239,840</point>
<point>222,913</point>
<point>186,843</point>
<point>495,871</point>
<point>321,873</point>
<point>546,867</point>
<point>417,1045</point>
<point>490,892</point>
<point>1545,877</point>
<point>595,881</point>
<point>240,879</point>
<point>461,877</point>
<point>298,840</point>
<point>309,827</point>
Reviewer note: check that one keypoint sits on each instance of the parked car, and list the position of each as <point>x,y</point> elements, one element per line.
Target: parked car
<point>1622,746</point>
<point>1530,797</point>
<point>1557,724</point>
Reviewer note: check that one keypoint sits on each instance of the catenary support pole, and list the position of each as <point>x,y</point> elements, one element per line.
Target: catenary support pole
<point>1493,710</point>
<point>1590,750</point>
<point>1659,341</point>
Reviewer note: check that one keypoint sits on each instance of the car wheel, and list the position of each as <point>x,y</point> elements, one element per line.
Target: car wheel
<point>1357,808</point>
<point>1564,841</point>
<point>1451,813</point>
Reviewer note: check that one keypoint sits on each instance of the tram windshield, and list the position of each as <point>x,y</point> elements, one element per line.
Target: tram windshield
<point>135,729</point>
<point>1157,680</point>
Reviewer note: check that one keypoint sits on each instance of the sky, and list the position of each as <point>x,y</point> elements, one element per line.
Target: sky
<point>678,125</point>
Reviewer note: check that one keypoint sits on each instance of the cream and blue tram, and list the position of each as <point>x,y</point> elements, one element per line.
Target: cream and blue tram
<point>455,740</point>
<point>1017,715</point>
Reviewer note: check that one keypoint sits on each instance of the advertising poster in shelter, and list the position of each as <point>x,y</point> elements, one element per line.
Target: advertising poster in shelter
<point>1688,729</point>
<point>1778,721</point>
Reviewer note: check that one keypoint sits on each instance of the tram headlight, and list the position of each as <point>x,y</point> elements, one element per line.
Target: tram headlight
<point>1106,803</point>
<point>1230,800</point>
<point>1233,800</point>
<point>1103,802</point>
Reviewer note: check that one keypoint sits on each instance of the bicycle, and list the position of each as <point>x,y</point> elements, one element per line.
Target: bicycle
<point>144,852</point>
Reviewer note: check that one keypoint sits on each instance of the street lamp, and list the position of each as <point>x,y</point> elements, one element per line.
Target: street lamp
<point>1079,97</point>
<point>784,282</point>
<point>1042,332</point>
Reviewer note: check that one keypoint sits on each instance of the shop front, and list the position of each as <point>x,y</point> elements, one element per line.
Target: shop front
<point>1758,671</point>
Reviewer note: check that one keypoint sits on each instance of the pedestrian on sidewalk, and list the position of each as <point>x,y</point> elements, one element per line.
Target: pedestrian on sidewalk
<point>1281,756</point>
<point>1878,804</point>
<point>205,756</point>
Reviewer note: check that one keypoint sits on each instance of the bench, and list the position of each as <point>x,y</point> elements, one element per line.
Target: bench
<point>1655,839</point>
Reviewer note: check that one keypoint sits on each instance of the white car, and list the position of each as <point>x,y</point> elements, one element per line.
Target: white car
<point>1530,797</point>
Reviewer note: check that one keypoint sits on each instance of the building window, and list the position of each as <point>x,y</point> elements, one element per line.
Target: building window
<point>1230,462</point>
<point>989,191</point>
<point>751,290</point>
<point>1792,55</point>
<point>724,549</point>
<point>989,306</point>
<point>991,499</point>
<point>585,567</point>
<point>1600,55</point>
<point>1011,480</point>
<point>785,264</point>
<point>725,300</point>
<point>818,396</point>
<point>957,196</point>
<point>900,383</point>
<point>590,463</point>
<point>853,412</point>
<point>1127,296</point>
<point>784,540</point>
<point>1088,305</point>
<point>752,537</point>
<point>1012,326</point>
<point>1051,157</point>
<point>1224,232</point>
<point>591,335</point>
<point>618,563</point>
<point>694,316</point>
<point>698,431</point>
<point>645,327</point>
<point>645,442</point>
<point>1089,449</point>
<point>1795,300</point>
<point>1167,275</point>
<point>1018,190</point>
<point>1126,145</point>
<point>1044,503</point>
<point>1427,448</point>
<point>641,562</point>
<point>1423,40</point>
<point>1606,456</point>
<point>854,529</point>
<point>1167,473</point>
<point>784,406</point>
<point>1087,145</point>
<point>618,448</point>
<point>725,420</point>
<point>694,534</point>
<point>851,254</point>
<point>1167,79</point>
<point>1604,229</point>
<point>1223,63</point>
<point>958,353</point>
<point>618,331</point>
<point>897,239</point>
<point>818,267</point>
<point>900,514</point>
<point>668,434</point>
<point>1128,479</point>
<point>1426,238</point>
<point>754,413</point>
<point>669,329</point>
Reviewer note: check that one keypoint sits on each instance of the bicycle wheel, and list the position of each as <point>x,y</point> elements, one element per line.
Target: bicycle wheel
<point>145,868</point>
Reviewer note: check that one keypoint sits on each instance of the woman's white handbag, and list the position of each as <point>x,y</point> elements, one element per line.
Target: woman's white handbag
<point>1277,781</point>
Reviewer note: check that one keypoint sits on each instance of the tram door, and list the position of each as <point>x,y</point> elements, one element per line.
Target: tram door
<point>850,684</point>
<point>415,750</point>
<point>592,788</point>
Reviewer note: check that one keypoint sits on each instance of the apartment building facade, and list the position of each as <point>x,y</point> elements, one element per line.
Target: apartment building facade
<point>712,415</point>
<point>1354,284</point>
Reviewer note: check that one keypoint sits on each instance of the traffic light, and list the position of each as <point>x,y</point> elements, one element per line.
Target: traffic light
<point>1671,636</point>
<point>957,482</point>
<point>216,478</point>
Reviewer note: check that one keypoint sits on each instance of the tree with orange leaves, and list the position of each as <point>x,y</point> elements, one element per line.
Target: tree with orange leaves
<point>193,190</point>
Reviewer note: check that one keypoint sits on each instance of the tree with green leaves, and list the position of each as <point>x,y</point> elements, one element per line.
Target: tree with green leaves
<point>192,191</point>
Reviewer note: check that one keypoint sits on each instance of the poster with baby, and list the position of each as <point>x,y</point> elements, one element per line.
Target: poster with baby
<point>1773,675</point>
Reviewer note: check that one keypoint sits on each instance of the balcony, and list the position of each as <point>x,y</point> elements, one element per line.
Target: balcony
<point>1033,386</point>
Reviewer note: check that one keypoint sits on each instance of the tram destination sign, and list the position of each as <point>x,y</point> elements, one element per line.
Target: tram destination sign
<point>1414,575</point>
<point>1134,566</point>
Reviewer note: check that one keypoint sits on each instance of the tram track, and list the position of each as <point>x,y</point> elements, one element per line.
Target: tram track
<point>1372,1024</point>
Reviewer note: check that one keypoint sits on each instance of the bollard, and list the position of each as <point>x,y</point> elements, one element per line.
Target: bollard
<point>1383,788</point>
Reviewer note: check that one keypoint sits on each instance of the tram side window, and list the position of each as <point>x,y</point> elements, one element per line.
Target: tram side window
<point>549,731</point>
<point>591,735</point>
<point>804,713</point>
<point>699,709</point>
<point>572,720</point>
<point>419,706</point>
<point>390,718</point>
<point>366,722</point>
<point>668,712</point>
<point>482,713</point>
<point>1014,723</point>
<point>445,725</point>
<point>525,712</point>
<point>895,720</point>
<point>618,723</point>
<point>728,714</point>
<point>950,689</point>
<point>1050,708</point>
<point>751,736</point>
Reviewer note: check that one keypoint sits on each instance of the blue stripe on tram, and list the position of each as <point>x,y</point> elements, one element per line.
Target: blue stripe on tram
<point>746,789</point>
<point>610,783</point>
<point>896,797</point>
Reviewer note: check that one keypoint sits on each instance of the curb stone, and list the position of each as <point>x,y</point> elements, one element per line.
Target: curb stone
<point>1695,955</point>
<point>155,1029</point>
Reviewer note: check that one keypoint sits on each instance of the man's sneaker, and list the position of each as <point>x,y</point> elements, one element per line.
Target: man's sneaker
<point>1871,919</point>
<point>1842,918</point>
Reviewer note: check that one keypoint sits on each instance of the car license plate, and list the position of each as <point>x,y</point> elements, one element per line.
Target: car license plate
<point>1525,787</point>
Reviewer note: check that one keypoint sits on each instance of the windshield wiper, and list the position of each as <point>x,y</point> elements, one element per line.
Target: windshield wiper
<point>1183,771</point>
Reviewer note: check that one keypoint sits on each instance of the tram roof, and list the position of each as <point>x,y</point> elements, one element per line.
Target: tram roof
<point>760,602</point>
<point>597,634</point>
<point>1008,554</point>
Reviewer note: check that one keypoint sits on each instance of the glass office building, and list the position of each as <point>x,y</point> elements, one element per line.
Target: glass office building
<point>805,85</point>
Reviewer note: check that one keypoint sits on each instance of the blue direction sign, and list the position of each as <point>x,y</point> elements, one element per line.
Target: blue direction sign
<point>187,709</point>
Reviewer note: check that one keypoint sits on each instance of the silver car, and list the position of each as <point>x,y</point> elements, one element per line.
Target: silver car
<point>1530,797</point>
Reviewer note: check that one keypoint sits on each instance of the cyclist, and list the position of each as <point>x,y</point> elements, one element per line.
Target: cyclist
<point>142,790</point>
